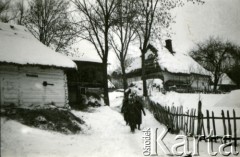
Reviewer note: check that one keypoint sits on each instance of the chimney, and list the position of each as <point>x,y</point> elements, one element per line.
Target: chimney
<point>169,45</point>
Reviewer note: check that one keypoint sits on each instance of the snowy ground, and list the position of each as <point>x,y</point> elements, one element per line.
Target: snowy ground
<point>211,102</point>
<point>104,135</point>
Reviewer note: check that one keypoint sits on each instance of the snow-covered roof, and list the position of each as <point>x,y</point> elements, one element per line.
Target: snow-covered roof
<point>19,46</point>
<point>225,80</point>
<point>85,58</point>
<point>83,50</point>
<point>174,63</point>
<point>179,63</point>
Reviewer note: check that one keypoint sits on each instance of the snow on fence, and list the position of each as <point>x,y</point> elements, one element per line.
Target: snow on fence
<point>195,123</point>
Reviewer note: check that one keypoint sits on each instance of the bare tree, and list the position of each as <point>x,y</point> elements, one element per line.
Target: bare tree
<point>12,11</point>
<point>50,22</point>
<point>123,32</point>
<point>214,55</point>
<point>96,19</point>
<point>154,17</point>
<point>20,8</point>
<point>233,72</point>
<point>4,5</point>
<point>7,12</point>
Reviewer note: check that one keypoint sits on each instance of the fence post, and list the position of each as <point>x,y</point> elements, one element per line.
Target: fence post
<point>224,125</point>
<point>203,127</point>
<point>214,128</point>
<point>208,122</point>
<point>235,129</point>
<point>169,118</point>
<point>177,110</point>
<point>173,117</point>
<point>193,125</point>
<point>182,118</point>
<point>187,116</point>
<point>190,123</point>
<point>229,125</point>
<point>199,127</point>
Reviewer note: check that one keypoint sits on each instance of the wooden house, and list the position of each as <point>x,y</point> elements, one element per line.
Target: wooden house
<point>87,78</point>
<point>31,74</point>
<point>178,71</point>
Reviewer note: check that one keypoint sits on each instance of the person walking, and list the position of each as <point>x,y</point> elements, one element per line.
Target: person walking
<point>125,106</point>
<point>132,110</point>
<point>139,110</point>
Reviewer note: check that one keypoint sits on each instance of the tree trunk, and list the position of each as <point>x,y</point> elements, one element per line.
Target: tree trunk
<point>145,91</point>
<point>215,83</point>
<point>105,83</point>
<point>124,78</point>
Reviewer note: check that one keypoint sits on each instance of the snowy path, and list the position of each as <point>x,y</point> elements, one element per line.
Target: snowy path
<point>105,135</point>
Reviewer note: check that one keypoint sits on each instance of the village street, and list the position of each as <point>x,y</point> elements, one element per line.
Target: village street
<point>104,135</point>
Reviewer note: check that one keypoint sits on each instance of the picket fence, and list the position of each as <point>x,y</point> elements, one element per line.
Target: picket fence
<point>194,123</point>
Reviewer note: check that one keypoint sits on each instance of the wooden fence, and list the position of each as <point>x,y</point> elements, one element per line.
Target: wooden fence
<point>194,123</point>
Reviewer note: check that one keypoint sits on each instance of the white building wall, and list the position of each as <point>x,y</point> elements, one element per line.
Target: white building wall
<point>169,76</point>
<point>23,86</point>
<point>200,83</point>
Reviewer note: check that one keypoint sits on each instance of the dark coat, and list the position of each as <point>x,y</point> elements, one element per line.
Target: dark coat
<point>138,110</point>
<point>135,111</point>
<point>125,110</point>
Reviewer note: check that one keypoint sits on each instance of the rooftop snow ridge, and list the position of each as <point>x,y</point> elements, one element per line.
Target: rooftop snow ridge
<point>172,62</point>
<point>85,58</point>
<point>19,46</point>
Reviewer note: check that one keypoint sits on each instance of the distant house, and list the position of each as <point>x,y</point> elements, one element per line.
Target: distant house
<point>226,84</point>
<point>87,78</point>
<point>178,71</point>
<point>31,74</point>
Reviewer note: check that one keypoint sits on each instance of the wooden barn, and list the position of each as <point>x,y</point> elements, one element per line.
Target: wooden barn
<point>87,78</point>
<point>178,71</point>
<point>31,74</point>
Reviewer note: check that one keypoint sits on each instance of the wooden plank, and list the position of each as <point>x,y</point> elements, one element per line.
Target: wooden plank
<point>199,127</point>
<point>190,123</point>
<point>18,85</point>
<point>214,127</point>
<point>174,118</point>
<point>187,117</point>
<point>235,129</point>
<point>182,118</point>
<point>224,125</point>
<point>177,122</point>
<point>193,125</point>
<point>229,125</point>
<point>208,122</point>
<point>10,89</point>
<point>203,126</point>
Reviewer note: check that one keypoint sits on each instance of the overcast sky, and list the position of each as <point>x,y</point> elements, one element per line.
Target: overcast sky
<point>215,18</point>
